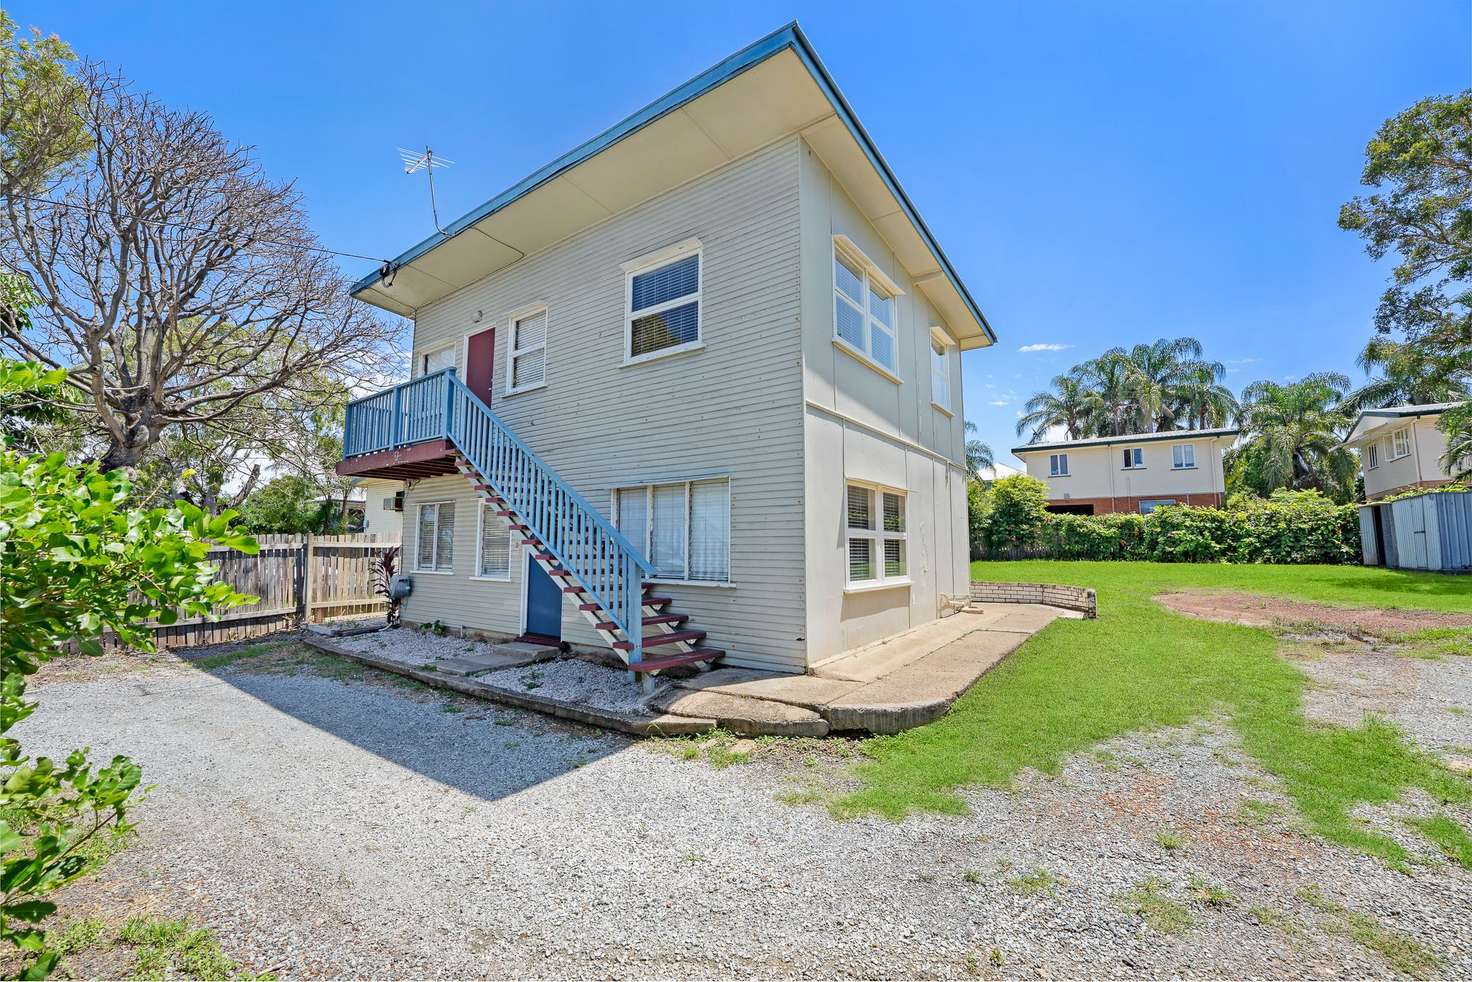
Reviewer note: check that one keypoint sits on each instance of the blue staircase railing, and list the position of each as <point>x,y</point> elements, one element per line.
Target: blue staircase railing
<point>586,544</point>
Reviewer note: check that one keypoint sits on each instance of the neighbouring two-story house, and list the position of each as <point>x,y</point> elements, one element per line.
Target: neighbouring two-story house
<point>1135,472</point>
<point>1400,448</point>
<point>691,391</point>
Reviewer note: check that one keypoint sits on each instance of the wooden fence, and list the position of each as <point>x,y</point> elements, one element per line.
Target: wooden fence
<point>299,579</point>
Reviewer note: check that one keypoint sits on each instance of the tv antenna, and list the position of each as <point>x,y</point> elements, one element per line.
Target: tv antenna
<point>414,161</point>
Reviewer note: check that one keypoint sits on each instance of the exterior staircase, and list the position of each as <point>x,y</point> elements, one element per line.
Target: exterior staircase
<point>600,571</point>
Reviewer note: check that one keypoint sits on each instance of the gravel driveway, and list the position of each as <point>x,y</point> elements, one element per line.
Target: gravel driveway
<point>326,821</point>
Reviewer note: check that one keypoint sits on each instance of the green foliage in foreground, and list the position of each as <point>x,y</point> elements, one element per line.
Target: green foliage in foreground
<point>76,563</point>
<point>1288,527</point>
<point>1139,667</point>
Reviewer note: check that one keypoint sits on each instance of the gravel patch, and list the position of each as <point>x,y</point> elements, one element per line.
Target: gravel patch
<point>411,647</point>
<point>327,827</point>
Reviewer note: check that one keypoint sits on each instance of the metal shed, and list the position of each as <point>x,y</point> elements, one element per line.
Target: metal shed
<point>1430,531</point>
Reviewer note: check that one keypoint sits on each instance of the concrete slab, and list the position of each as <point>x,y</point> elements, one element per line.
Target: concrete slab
<point>877,660</point>
<point>739,714</point>
<point>922,691</point>
<point>807,691</point>
<point>1029,618</point>
<point>512,655</point>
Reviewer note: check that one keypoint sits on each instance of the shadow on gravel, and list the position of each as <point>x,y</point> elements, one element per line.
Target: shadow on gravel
<point>481,748</point>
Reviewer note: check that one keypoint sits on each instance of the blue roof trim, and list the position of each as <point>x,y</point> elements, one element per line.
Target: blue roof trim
<point>790,36</point>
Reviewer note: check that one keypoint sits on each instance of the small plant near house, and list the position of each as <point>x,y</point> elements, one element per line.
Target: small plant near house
<point>385,568</point>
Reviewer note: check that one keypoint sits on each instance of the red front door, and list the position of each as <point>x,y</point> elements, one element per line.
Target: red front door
<point>480,363</point>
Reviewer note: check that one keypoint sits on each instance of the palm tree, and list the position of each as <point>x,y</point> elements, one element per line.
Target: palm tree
<point>1201,399</point>
<point>1409,373</point>
<point>1157,374</point>
<point>978,454</point>
<point>1293,434</point>
<point>1109,396</point>
<point>1064,405</point>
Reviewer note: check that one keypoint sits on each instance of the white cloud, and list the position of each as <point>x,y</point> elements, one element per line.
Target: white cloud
<point>1044,347</point>
<point>999,402</point>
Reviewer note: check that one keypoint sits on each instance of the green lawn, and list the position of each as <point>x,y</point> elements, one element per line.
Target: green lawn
<point>1138,667</point>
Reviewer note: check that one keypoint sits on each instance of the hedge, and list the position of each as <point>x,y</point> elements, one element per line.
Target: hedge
<point>1290,527</point>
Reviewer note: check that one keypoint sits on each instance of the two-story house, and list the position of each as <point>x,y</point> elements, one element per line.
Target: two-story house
<point>1400,448</point>
<point>691,391</point>
<point>1136,472</point>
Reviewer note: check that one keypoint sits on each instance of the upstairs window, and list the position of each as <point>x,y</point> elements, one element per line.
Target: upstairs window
<point>435,548</point>
<point>1372,456</point>
<point>1183,456</point>
<point>863,310</point>
<point>493,559</point>
<point>663,314</point>
<point>434,361</point>
<point>940,372</point>
<point>684,527</point>
<point>1058,465</point>
<point>1400,443</point>
<point>877,538</point>
<point>1134,457</point>
<point>526,368</point>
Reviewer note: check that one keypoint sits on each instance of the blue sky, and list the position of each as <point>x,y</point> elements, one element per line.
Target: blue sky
<point>1100,173</point>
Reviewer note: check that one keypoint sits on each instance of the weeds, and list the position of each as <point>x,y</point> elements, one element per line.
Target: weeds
<point>1159,912</point>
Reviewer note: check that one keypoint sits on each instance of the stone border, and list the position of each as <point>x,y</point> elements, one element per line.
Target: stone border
<point>1052,594</point>
<point>624,723</point>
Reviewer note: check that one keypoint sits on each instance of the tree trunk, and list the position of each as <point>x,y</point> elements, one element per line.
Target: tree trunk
<point>121,454</point>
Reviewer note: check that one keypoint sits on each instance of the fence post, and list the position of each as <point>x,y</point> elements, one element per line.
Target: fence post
<point>307,552</point>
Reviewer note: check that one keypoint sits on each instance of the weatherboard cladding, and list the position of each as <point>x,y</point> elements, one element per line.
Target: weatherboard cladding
<point>733,408</point>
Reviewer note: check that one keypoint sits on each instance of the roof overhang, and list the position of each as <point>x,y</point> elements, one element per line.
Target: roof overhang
<point>775,88</point>
<point>1371,420</point>
<point>1225,434</point>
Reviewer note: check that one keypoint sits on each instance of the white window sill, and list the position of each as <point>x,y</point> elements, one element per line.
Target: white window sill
<point>868,587</point>
<point>1391,460</point>
<point>525,388</point>
<point>865,360</point>
<point>1052,476</point>
<point>492,579</point>
<point>1191,468</point>
<point>936,405</point>
<point>434,572</point>
<point>1134,468</point>
<point>717,584</point>
<point>679,349</point>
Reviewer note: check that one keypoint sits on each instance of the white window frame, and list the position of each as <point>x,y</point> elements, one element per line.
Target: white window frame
<point>435,569</point>
<point>844,246</point>
<point>1137,458</point>
<point>651,261</point>
<point>940,370</point>
<point>421,359</point>
<point>480,543</point>
<point>1182,450</point>
<point>1402,437</point>
<point>1058,464</point>
<point>1372,456</point>
<point>642,539</point>
<point>513,352</point>
<point>877,536</point>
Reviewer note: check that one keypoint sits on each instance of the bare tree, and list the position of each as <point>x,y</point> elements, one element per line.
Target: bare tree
<point>179,285</point>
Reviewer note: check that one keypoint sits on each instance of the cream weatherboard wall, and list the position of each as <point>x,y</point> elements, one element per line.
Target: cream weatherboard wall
<point>379,517</point>
<point>879,428</point>
<point>1421,465</point>
<point>729,409</point>
<point>1099,471</point>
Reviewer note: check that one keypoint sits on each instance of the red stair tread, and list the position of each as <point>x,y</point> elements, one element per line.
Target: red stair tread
<point>662,619</point>
<point>674,661</point>
<point>661,639</point>
<point>656,601</point>
<point>545,557</point>
<point>590,607</point>
<point>572,589</point>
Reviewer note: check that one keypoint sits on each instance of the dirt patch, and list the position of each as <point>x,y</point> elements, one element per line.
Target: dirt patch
<point>1259,611</point>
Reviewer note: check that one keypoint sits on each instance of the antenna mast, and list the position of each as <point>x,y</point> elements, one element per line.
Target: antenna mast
<point>427,162</point>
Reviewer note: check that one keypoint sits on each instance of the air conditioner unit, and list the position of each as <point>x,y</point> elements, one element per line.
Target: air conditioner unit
<point>396,503</point>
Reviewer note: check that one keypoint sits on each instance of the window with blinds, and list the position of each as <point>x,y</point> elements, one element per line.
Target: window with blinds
<point>435,539</point>
<point>493,556</point>
<point>878,539</point>
<point>527,364</point>
<point>683,527</point>
<point>863,311</point>
<point>663,313</point>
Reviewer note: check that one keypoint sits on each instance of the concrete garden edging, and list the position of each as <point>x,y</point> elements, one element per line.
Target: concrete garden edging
<point>1081,599</point>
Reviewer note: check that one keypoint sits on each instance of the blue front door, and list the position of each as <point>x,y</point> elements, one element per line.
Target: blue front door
<point>543,602</point>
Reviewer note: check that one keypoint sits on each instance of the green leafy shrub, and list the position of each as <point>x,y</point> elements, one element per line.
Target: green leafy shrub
<point>1288,527</point>
<point>78,561</point>
<point>1019,510</point>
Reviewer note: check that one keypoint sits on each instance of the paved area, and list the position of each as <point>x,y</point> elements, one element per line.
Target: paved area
<point>329,821</point>
<point>896,684</point>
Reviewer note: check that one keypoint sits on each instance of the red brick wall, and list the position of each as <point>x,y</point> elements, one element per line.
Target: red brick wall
<point>1103,506</point>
